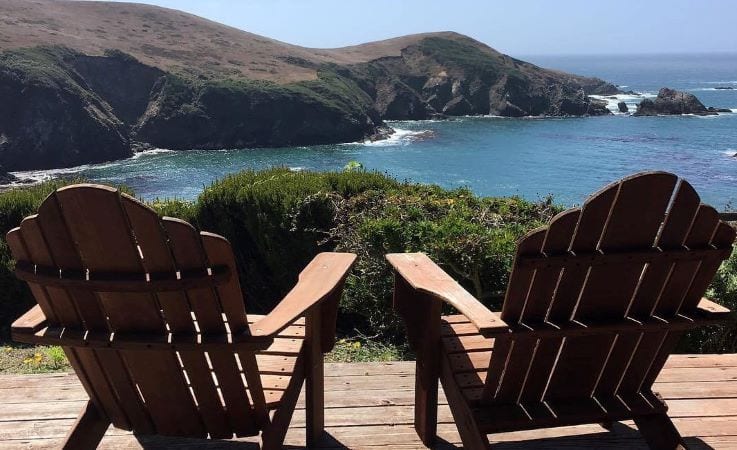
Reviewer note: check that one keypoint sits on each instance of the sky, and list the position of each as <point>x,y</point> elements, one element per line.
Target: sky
<point>516,27</point>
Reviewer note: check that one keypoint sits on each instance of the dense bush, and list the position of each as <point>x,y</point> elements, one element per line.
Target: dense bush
<point>718,338</point>
<point>472,238</point>
<point>278,219</point>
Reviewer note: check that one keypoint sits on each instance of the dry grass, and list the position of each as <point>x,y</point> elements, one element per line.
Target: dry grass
<point>173,40</point>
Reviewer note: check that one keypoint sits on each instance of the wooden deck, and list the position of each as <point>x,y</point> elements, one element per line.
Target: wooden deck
<point>370,405</point>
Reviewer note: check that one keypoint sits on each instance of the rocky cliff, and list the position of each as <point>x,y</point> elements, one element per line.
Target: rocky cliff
<point>451,74</point>
<point>96,91</point>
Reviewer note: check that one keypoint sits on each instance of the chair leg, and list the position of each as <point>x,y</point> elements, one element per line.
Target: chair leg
<point>315,400</point>
<point>659,432</point>
<point>88,430</point>
<point>272,437</point>
<point>426,403</point>
<point>314,381</point>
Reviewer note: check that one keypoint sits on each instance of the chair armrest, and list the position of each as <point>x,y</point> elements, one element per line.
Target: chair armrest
<point>711,311</point>
<point>29,323</point>
<point>423,275</point>
<point>322,276</point>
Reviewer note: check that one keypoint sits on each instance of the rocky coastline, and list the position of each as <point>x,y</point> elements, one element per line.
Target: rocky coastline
<point>68,102</point>
<point>672,102</point>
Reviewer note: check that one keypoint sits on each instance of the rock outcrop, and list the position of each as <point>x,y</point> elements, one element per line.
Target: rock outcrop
<point>452,75</point>
<point>670,102</point>
<point>6,178</point>
<point>48,116</point>
<point>622,106</point>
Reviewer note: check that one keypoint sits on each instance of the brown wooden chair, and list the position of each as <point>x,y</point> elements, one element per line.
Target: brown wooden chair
<point>151,316</point>
<point>596,302</point>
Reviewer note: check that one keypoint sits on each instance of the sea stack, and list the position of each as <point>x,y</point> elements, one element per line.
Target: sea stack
<point>672,102</point>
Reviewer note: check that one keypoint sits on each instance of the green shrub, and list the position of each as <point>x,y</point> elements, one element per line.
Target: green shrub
<point>470,237</point>
<point>718,338</point>
<point>278,219</point>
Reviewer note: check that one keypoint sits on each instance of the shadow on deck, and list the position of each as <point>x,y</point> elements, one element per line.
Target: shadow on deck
<point>369,405</point>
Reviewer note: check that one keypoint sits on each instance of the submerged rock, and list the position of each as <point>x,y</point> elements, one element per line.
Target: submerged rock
<point>672,102</point>
<point>6,178</point>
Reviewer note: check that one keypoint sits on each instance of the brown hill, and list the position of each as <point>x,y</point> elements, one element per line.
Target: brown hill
<point>174,40</point>
<point>85,81</point>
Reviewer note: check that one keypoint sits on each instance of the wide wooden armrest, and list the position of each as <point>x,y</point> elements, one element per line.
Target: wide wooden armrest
<point>322,276</point>
<point>423,275</point>
<point>709,310</point>
<point>30,322</point>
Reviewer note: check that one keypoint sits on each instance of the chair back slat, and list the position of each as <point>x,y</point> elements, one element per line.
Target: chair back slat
<point>219,253</point>
<point>609,291</point>
<point>518,288</point>
<point>189,252</point>
<point>634,216</point>
<point>542,358</point>
<point>557,240</point>
<point>107,242</point>
<point>115,394</point>
<point>705,231</point>
<point>677,224</point>
<point>19,252</point>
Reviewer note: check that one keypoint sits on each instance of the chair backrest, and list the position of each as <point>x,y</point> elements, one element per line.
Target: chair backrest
<point>147,277</point>
<point>641,250</point>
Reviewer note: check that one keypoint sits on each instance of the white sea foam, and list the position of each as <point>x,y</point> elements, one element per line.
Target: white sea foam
<point>400,137</point>
<point>730,152</point>
<point>155,151</point>
<point>732,89</point>
<point>631,100</point>
<point>38,176</point>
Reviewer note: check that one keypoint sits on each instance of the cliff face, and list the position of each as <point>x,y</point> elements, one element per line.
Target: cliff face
<point>450,74</point>
<point>61,108</point>
<point>50,118</point>
<point>103,89</point>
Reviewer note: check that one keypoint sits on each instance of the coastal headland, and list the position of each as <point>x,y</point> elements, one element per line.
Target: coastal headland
<point>86,82</point>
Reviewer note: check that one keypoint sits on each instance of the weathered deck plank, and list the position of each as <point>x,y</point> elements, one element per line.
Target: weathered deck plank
<point>370,406</point>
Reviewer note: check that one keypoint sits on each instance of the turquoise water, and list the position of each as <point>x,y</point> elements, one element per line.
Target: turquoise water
<point>568,158</point>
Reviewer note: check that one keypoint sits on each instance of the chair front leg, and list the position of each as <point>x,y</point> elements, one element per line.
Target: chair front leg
<point>659,432</point>
<point>88,430</point>
<point>421,314</point>
<point>314,377</point>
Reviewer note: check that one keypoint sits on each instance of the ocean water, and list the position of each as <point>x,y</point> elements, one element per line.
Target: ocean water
<point>532,157</point>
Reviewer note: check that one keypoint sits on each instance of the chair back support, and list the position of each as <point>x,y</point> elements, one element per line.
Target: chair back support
<point>152,277</point>
<point>642,250</point>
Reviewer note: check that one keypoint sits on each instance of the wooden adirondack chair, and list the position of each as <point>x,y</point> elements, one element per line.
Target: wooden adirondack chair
<point>596,302</point>
<point>150,314</point>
